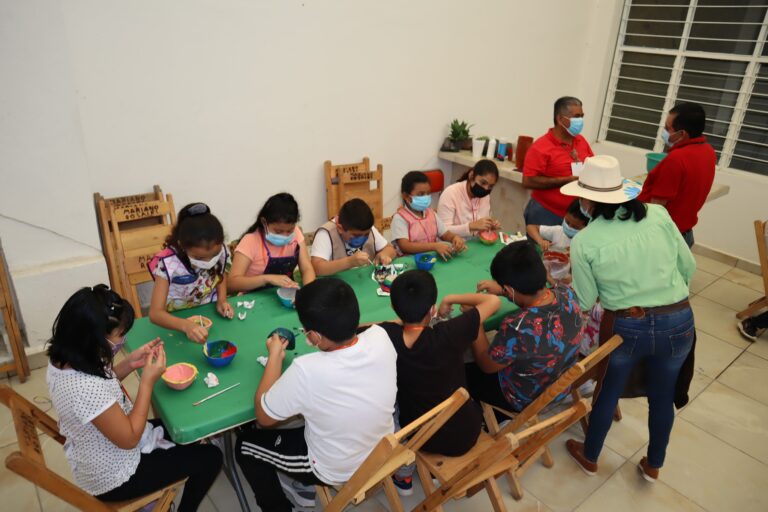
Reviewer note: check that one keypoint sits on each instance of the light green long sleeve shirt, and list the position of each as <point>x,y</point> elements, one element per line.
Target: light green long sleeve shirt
<point>628,263</point>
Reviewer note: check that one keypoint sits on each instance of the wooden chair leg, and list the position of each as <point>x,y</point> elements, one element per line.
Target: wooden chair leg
<point>546,458</point>
<point>515,486</point>
<point>426,482</point>
<point>753,308</point>
<point>494,494</point>
<point>323,494</point>
<point>392,497</point>
<point>617,413</point>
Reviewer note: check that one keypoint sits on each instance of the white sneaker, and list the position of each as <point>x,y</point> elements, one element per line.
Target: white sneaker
<point>301,495</point>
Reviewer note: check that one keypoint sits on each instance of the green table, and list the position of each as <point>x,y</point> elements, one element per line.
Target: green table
<point>187,423</point>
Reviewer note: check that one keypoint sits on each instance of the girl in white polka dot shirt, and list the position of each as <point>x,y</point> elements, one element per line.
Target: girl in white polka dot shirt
<point>114,452</point>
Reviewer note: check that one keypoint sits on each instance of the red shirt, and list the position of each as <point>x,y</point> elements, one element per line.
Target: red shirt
<point>551,157</point>
<point>684,179</point>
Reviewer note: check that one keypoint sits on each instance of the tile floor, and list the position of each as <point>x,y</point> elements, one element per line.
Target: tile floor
<point>717,458</point>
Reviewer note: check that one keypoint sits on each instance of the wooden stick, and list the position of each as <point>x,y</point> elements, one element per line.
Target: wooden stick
<point>215,394</point>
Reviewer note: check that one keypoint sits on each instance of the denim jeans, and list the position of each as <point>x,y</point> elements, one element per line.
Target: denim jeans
<point>688,237</point>
<point>536,214</point>
<point>663,342</point>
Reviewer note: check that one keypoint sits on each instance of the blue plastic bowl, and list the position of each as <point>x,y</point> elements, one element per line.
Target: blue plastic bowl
<point>425,260</point>
<point>287,296</point>
<point>287,335</point>
<point>214,352</point>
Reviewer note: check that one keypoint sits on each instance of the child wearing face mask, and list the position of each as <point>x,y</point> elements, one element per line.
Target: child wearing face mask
<point>114,452</point>
<point>415,227</point>
<point>189,271</point>
<point>558,238</point>
<point>350,240</point>
<point>465,206</point>
<point>271,248</point>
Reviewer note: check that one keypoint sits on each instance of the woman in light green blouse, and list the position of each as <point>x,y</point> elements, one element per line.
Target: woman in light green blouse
<point>632,258</point>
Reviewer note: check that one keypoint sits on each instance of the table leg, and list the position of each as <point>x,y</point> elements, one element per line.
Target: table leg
<point>230,469</point>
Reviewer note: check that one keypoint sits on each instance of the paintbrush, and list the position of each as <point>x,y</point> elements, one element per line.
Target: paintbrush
<point>215,394</point>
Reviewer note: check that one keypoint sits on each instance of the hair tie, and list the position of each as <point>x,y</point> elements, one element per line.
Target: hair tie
<point>198,209</point>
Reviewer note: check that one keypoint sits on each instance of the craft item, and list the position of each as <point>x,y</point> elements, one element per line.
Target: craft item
<point>557,264</point>
<point>219,352</point>
<point>478,145</point>
<point>211,380</point>
<point>285,335</point>
<point>239,303</point>
<point>215,394</point>
<point>262,360</point>
<point>488,237</point>
<point>501,150</point>
<point>287,296</point>
<point>180,375</point>
<point>491,152</point>
<point>425,260</point>
<point>202,321</point>
<point>507,239</point>
<point>249,305</point>
<point>242,314</point>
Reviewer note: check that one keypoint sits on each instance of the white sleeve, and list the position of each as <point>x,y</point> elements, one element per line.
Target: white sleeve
<point>379,242</point>
<point>399,227</point>
<point>92,397</point>
<point>286,396</point>
<point>321,245</point>
<point>549,232</point>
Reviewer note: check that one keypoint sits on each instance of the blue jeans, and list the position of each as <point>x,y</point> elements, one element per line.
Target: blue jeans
<point>688,237</point>
<point>663,342</point>
<point>536,214</point>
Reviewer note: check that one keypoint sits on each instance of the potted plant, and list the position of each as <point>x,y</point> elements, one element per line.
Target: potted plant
<point>459,135</point>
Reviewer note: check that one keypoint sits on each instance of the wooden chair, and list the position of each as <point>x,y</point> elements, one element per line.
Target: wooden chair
<point>392,452</point>
<point>761,235</point>
<point>29,462</point>
<point>490,457</point>
<point>13,324</point>
<point>531,413</point>
<point>356,180</point>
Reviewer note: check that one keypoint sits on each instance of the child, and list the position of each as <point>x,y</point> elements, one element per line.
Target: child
<point>535,344</point>
<point>115,454</point>
<point>345,391</point>
<point>430,364</point>
<point>349,240</point>
<point>190,271</point>
<point>271,248</point>
<point>558,238</point>
<point>415,227</point>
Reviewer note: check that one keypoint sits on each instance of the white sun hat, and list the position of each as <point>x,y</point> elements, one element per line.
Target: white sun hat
<point>600,180</point>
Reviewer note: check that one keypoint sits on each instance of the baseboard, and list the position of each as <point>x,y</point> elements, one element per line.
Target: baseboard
<point>726,258</point>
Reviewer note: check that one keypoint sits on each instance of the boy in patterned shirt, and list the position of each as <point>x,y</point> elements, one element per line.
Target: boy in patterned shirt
<point>535,344</point>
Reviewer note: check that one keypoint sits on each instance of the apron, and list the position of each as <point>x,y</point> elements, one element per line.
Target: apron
<point>282,265</point>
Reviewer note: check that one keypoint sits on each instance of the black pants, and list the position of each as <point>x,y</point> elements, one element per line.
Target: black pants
<point>199,463</point>
<point>261,453</point>
<point>485,387</point>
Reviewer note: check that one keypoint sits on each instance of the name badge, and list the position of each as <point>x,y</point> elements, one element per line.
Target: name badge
<point>576,168</point>
<point>185,279</point>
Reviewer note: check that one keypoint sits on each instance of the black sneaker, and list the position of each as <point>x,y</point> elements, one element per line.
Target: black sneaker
<point>404,485</point>
<point>301,495</point>
<point>748,329</point>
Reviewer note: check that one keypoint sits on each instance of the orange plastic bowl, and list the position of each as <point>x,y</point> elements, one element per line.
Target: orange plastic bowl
<point>180,376</point>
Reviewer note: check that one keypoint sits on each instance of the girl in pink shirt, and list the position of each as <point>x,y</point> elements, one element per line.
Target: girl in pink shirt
<point>271,248</point>
<point>465,206</point>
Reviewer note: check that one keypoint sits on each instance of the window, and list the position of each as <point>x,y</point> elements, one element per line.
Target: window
<point>712,52</point>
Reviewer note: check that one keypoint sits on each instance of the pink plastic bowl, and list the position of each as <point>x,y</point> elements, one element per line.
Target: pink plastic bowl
<point>180,375</point>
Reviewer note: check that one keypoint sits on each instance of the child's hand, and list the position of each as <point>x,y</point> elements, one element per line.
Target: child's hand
<point>458,244</point>
<point>445,309</point>
<point>282,281</point>
<point>224,308</point>
<point>489,286</point>
<point>155,365</point>
<point>382,259</point>
<point>195,332</point>
<point>360,258</point>
<point>445,251</point>
<point>138,358</point>
<point>276,346</point>
<point>544,244</point>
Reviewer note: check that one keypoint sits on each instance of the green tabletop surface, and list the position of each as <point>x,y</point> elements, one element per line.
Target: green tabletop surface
<point>187,423</point>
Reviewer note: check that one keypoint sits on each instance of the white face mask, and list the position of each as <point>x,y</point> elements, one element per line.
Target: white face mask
<point>206,265</point>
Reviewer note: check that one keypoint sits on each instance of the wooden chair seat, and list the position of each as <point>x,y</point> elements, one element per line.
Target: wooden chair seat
<point>444,468</point>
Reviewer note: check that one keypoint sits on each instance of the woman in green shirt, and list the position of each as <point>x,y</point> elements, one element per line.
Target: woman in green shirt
<point>632,258</point>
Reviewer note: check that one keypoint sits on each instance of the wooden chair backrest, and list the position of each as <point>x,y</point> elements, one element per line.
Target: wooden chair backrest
<point>395,450</point>
<point>11,319</point>
<point>761,235</point>
<point>562,384</point>
<point>356,180</point>
<point>538,436</point>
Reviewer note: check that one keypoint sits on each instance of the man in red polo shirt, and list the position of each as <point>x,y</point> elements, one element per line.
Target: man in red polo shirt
<point>553,160</point>
<point>682,181</point>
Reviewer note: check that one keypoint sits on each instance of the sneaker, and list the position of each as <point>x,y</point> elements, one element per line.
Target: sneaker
<point>404,485</point>
<point>301,495</point>
<point>649,473</point>
<point>576,451</point>
<point>748,330</point>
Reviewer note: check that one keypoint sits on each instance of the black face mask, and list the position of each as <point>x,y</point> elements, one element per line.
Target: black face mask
<point>479,191</point>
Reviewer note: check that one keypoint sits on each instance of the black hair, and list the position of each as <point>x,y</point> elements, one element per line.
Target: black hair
<point>562,106</point>
<point>81,327</point>
<point>195,226</point>
<point>482,168</point>
<point>689,117</point>
<point>280,207</point>
<point>632,209</point>
<point>411,179</point>
<point>575,209</point>
<point>412,294</point>
<point>519,265</point>
<point>356,214</point>
<point>329,306</point>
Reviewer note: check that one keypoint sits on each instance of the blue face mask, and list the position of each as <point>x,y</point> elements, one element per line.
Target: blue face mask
<point>665,137</point>
<point>279,240</point>
<point>568,230</point>
<point>577,124</point>
<point>357,241</point>
<point>584,211</point>
<point>420,203</point>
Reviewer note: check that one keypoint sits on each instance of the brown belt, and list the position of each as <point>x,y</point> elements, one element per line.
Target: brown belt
<point>640,312</point>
